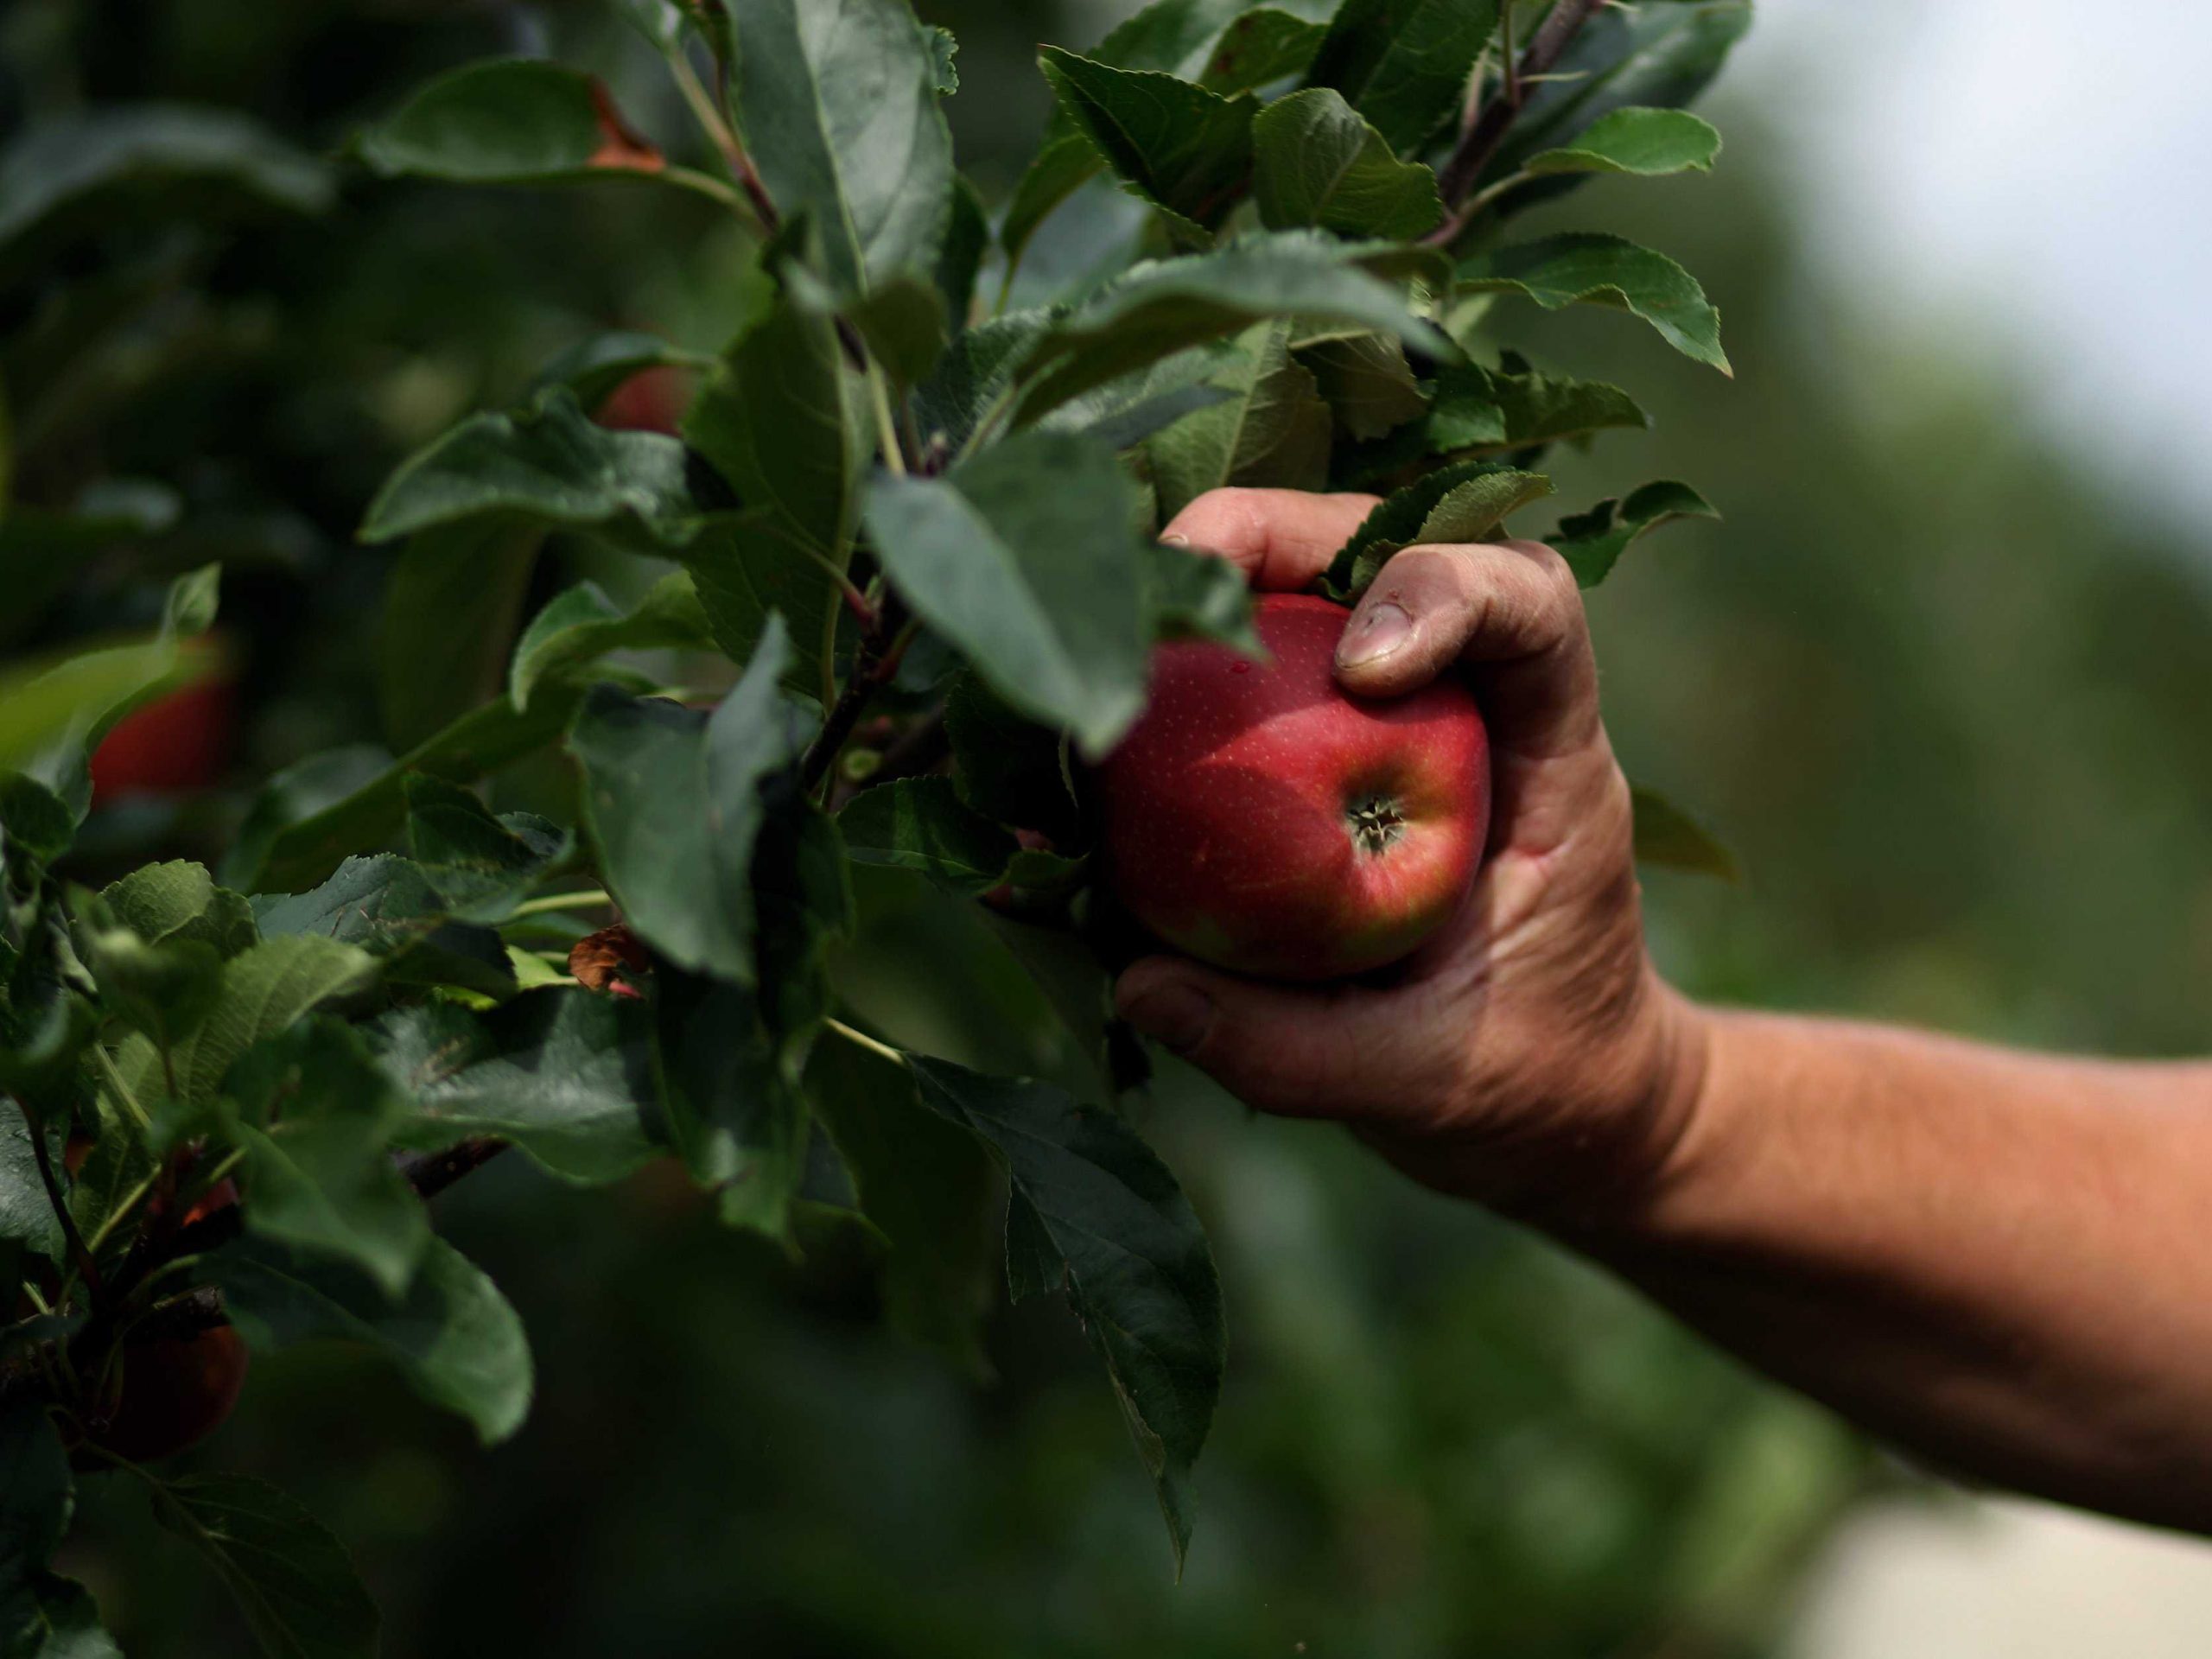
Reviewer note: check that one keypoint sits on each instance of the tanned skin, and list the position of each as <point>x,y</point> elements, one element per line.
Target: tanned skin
<point>2000,1261</point>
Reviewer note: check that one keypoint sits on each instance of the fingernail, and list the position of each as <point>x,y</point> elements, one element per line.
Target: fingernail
<point>1376,633</point>
<point>1175,1014</point>
<point>1175,538</point>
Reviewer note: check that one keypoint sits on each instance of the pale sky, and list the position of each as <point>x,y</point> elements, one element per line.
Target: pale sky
<point>2036,170</point>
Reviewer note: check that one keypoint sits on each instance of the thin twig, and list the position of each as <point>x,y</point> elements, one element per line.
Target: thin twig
<point>863,1040</point>
<point>588,899</point>
<point>433,1172</point>
<point>1480,142</point>
<point>113,1073</point>
<point>914,751</point>
<point>883,646</point>
<point>87,1269</point>
<point>726,141</point>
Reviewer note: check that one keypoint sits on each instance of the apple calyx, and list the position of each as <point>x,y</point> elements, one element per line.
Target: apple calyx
<point>1377,823</point>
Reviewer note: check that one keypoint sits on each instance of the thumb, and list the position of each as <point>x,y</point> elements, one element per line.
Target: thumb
<point>1282,1049</point>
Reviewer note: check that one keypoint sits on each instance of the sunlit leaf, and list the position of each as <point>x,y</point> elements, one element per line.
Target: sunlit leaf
<point>1593,542</point>
<point>1597,270</point>
<point>1635,140</point>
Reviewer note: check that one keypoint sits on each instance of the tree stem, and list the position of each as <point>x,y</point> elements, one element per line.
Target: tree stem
<point>433,1172</point>
<point>87,1269</point>
<point>885,643</point>
<point>1480,142</point>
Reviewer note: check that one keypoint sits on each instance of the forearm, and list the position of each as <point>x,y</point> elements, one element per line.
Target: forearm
<point>1999,1261</point>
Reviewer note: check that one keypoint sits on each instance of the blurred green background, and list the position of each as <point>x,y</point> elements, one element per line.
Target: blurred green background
<point>1941,693</point>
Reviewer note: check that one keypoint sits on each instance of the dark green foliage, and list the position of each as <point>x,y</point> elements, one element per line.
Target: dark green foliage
<point>688,732</point>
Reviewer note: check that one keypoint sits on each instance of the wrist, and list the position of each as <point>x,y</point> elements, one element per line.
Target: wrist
<point>1650,1108</point>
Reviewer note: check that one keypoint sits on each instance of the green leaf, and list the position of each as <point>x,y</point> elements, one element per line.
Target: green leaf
<point>390,907</point>
<point>60,1621</point>
<point>1623,56</point>
<point>1667,836</point>
<point>481,865</point>
<point>1593,542</point>
<point>943,50</point>
<point>564,1075</point>
<point>45,1025</point>
<point>580,624</point>
<point>1540,408</point>
<point>121,1161</point>
<point>925,1184</point>
<point>1266,43</point>
<point>145,160</point>
<point>1644,142</point>
<point>1175,37</point>
<point>902,321</point>
<point>749,567</point>
<point>1369,384</point>
<point>1460,502</point>
<point>1163,308</point>
<point>290,1576</point>
<point>1317,160</point>
<point>43,1616</point>
<point>922,824</point>
<point>592,367</point>
<point>36,826</point>
<point>318,1116</point>
<point>450,607</point>
<point>52,710</point>
<point>1272,429</point>
<point>293,795</point>
<point>162,987</point>
<point>262,990</point>
<point>729,1057</point>
<point>1125,412</point>
<point>1195,596</point>
<point>549,465</point>
<point>1404,64</point>
<point>838,103</point>
<point>1026,557</point>
<point>1179,146</point>
<point>1104,1220</point>
<point>312,816</point>
<point>967,237</point>
<point>1596,269</point>
<point>981,368</point>
<point>27,1216</point>
<point>453,1335</point>
<point>672,799</point>
<point>1008,767</point>
<point>180,899</point>
<point>781,419</point>
<point>508,121</point>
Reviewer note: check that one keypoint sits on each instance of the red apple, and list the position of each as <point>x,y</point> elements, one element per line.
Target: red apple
<point>1259,817</point>
<point>176,744</point>
<point>175,1393</point>
<point>652,400</point>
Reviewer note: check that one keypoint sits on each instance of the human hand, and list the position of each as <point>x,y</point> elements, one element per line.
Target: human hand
<point>1527,1054</point>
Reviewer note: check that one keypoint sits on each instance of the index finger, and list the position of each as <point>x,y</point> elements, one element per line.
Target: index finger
<point>1281,539</point>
